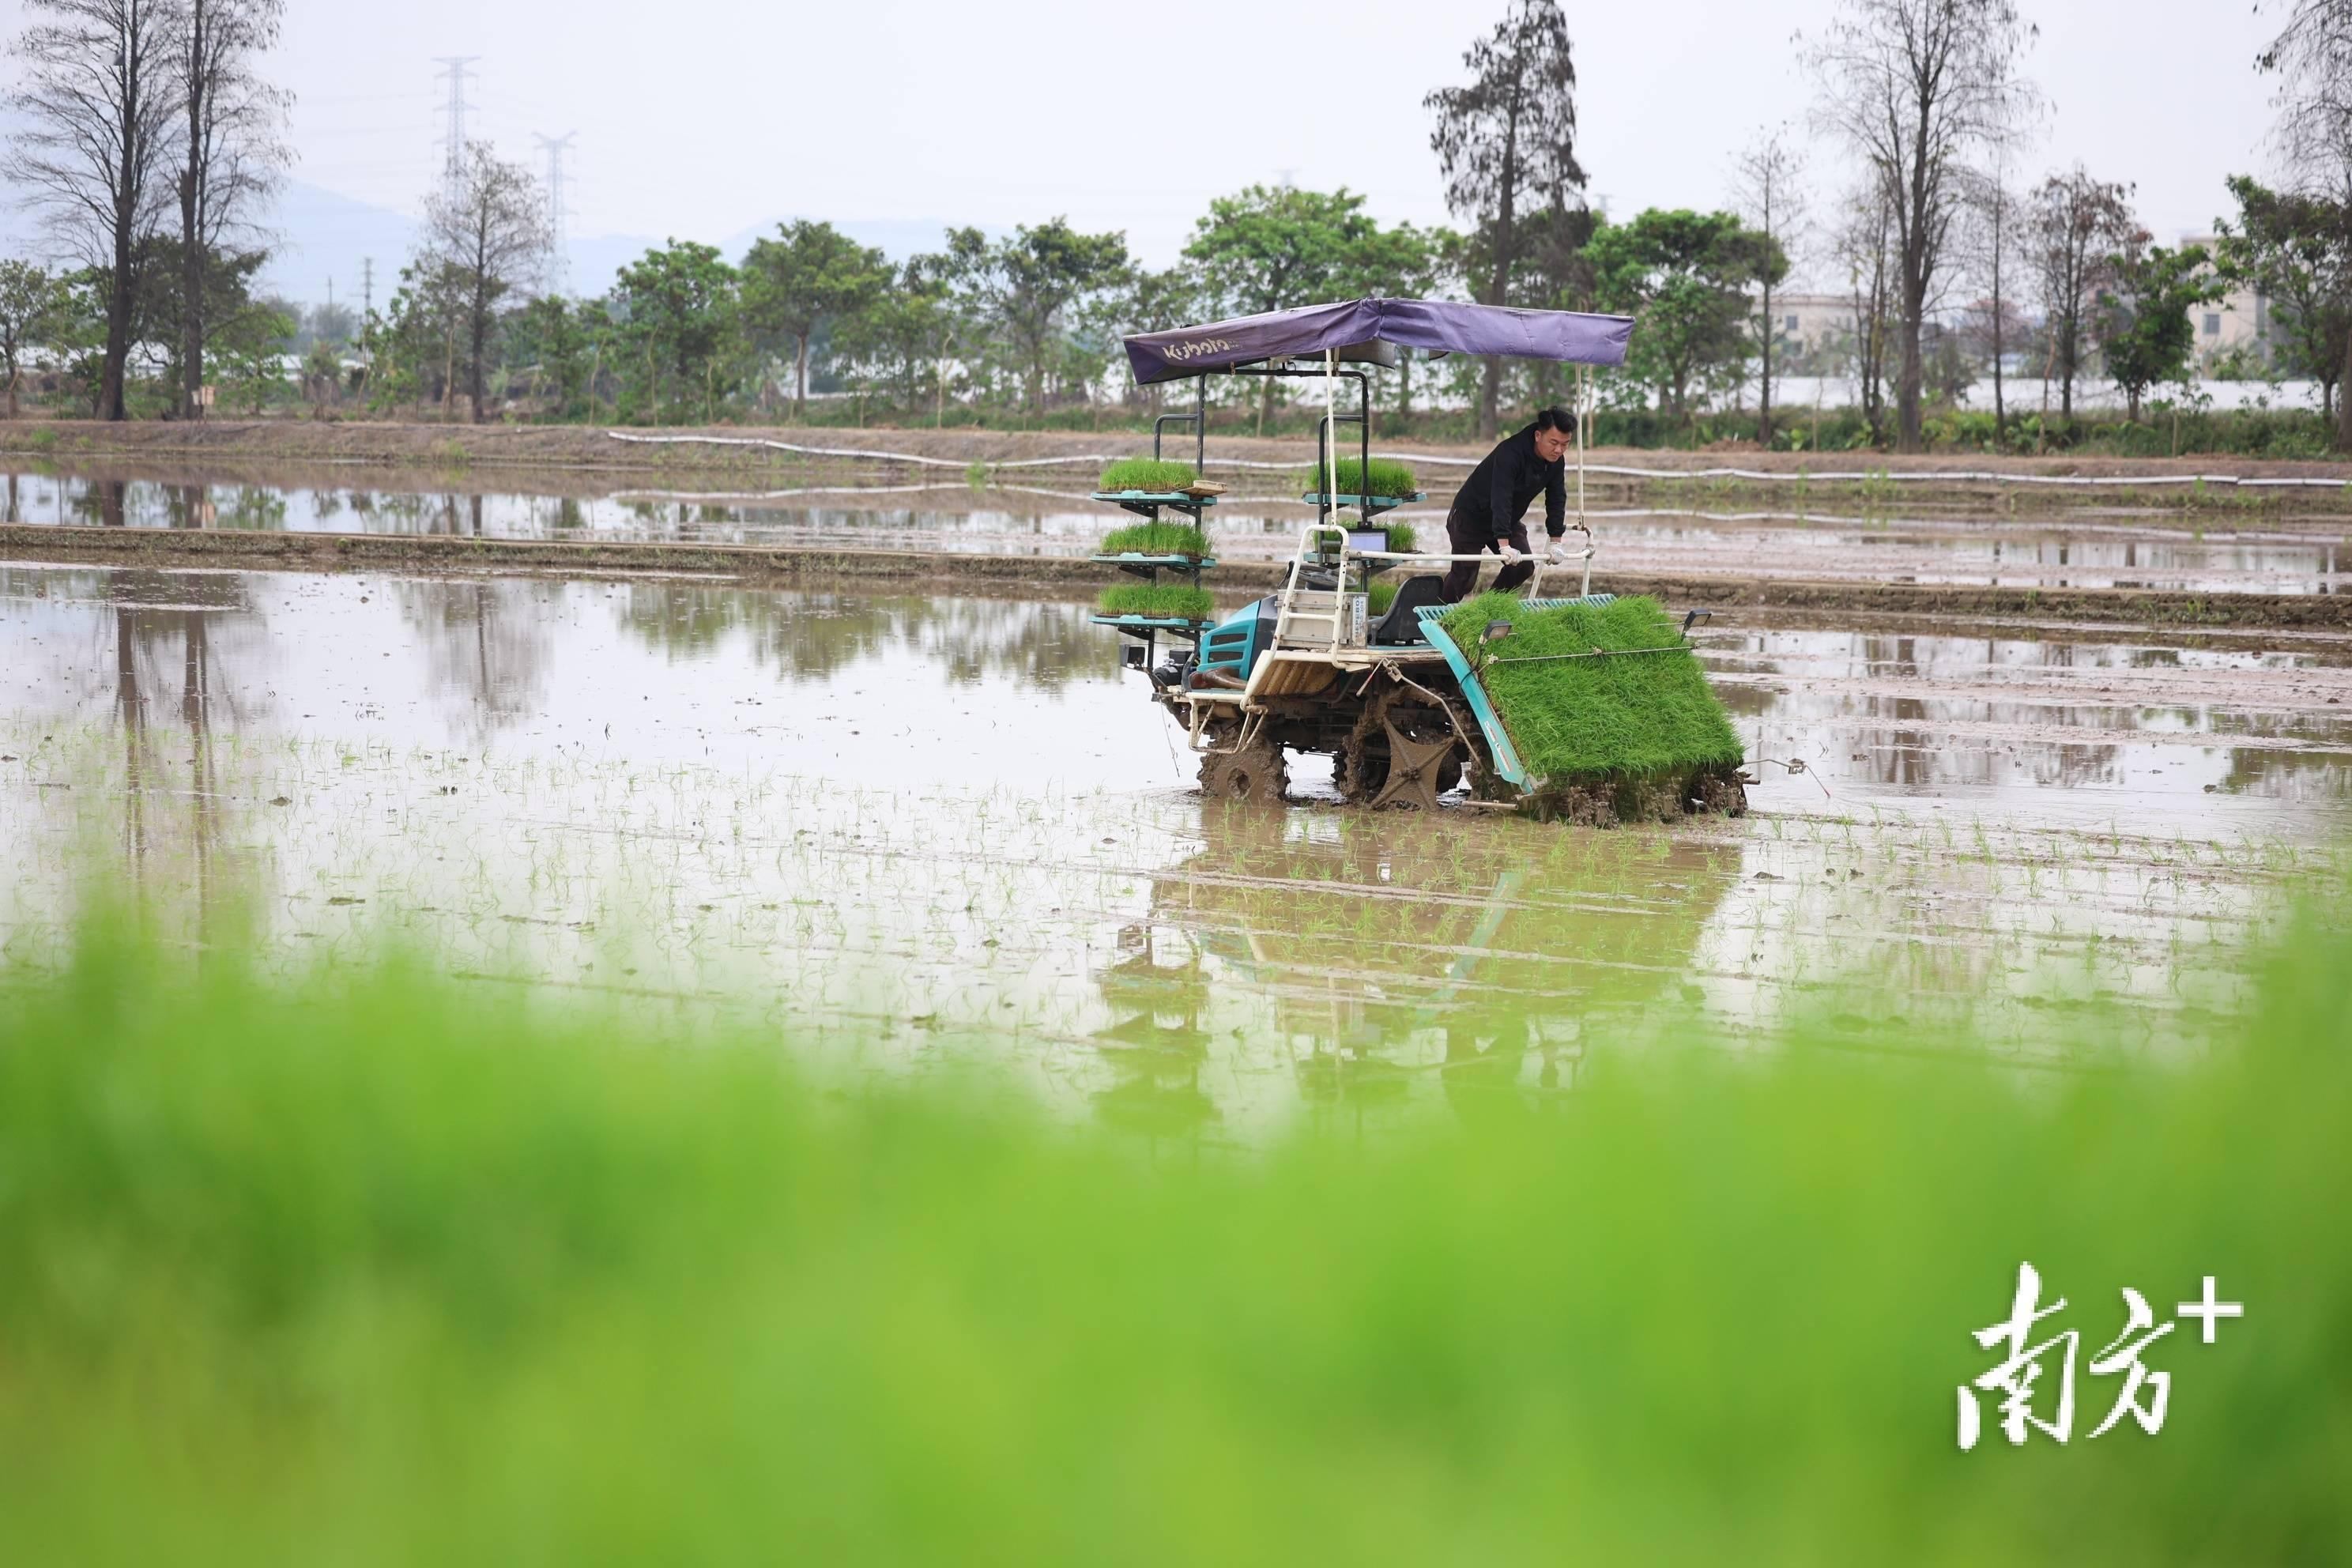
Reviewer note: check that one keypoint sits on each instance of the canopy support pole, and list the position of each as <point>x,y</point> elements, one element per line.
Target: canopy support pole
<point>1583,415</point>
<point>1332,483</point>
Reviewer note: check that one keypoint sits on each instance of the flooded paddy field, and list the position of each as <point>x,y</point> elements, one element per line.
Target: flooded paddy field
<point>2034,542</point>
<point>946,834</point>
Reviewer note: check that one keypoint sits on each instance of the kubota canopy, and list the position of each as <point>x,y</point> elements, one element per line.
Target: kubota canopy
<point>1434,326</point>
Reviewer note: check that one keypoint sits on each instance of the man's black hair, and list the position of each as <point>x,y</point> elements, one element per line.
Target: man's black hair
<point>1555,419</point>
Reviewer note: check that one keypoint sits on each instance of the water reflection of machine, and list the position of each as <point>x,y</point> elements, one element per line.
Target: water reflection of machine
<point>1157,991</point>
<point>1487,953</point>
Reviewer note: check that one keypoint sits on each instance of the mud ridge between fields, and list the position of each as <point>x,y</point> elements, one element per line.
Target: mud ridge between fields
<point>482,450</point>
<point>1233,581</point>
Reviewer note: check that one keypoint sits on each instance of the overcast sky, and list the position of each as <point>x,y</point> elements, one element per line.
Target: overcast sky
<point>697,118</point>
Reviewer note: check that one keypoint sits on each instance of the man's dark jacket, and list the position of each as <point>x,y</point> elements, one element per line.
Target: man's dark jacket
<point>1498,491</point>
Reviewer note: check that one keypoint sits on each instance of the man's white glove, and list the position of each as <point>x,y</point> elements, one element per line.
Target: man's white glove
<point>1558,555</point>
<point>1507,551</point>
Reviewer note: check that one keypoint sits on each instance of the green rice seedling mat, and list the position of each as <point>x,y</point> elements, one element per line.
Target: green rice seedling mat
<point>1596,690</point>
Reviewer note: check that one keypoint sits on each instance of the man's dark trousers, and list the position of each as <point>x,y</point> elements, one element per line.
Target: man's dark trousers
<point>1472,539</point>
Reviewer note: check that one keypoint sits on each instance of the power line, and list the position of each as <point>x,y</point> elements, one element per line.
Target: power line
<point>559,280</point>
<point>453,67</point>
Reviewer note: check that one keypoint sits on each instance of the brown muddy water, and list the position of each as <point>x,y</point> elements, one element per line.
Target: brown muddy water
<point>2220,552</point>
<point>957,816</point>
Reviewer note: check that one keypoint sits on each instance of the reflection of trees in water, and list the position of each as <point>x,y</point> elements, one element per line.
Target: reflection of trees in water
<point>254,507</point>
<point>107,503</point>
<point>167,667</point>
<point>1509,940</point>
<point>815,635</point>
<point>487,643</point>
<point>1903,740</point>
<point>2291,777</point>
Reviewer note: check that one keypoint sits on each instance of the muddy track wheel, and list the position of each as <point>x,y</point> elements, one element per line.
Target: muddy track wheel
<point>1255,774</point>
<point>1356,772</point>
<point>1416,770</point>
<point>1365,768</point>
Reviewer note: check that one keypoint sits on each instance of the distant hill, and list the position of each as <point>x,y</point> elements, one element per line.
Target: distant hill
<point>320,235</point>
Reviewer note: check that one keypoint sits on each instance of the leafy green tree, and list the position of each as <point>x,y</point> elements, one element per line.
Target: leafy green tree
<point>557,342</point>
<point>1157,301</point>
<point>679,313</point>
<point>223,279</point>
<point>1686,276</point>
<point>1274,248</point>
<point>412,341</point>
<point>809,275</point>
<point>2297,248</point>
<point>2145,332</point>
<point>1025,288</point>
<point>32,301</point>
<point>1413,263</point>
<point>901,338</point>
<point>251,352</point>
<point>1553,272</point>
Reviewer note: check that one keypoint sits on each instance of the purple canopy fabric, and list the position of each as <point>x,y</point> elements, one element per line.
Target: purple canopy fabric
<point>1435,324</point>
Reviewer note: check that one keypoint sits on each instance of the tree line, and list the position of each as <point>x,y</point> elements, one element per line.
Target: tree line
<point>1948,263</point>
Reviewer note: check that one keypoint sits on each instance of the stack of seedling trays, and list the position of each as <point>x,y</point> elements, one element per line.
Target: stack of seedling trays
<point>1390,485</point>
<point>1166,552</point>
<point>1371,489</point>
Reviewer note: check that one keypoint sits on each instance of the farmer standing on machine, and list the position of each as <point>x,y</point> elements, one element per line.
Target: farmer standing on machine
<point>1489,511</point>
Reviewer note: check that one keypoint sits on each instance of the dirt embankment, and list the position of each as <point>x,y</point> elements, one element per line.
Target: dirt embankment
<point>497,454</point>
<point>1055,577</point>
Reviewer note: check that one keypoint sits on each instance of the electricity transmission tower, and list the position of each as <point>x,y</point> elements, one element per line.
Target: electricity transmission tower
<point>558,279</point>
<point>453,67</point>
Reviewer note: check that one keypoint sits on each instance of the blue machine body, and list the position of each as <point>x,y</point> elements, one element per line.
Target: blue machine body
<point>1233,646</point>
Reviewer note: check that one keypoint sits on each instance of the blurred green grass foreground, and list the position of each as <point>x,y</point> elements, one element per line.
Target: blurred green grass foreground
<point>361,1270</point>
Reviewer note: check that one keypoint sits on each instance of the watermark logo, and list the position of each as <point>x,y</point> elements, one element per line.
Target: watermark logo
<point>2026,1381</point>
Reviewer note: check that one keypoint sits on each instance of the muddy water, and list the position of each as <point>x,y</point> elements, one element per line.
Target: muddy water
<point>2111,548</point>
<point>957,818</point>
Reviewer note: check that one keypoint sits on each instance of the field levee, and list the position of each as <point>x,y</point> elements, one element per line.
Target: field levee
<point>756,456</point>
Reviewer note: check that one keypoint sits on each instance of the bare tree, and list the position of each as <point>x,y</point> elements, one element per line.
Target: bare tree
<point>2076,226</point>
<point>1768,188</point>
<point>1992,238</point>
<point>2312,56</point>
<point>1912,87</point>
<point>488,233</point>
<point>1864,242</point>
<point>1507,145</point>
<point>231,145</point>
<point>98,107</point>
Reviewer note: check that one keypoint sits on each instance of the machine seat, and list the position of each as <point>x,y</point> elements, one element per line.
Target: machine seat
<point>1401,626</point>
